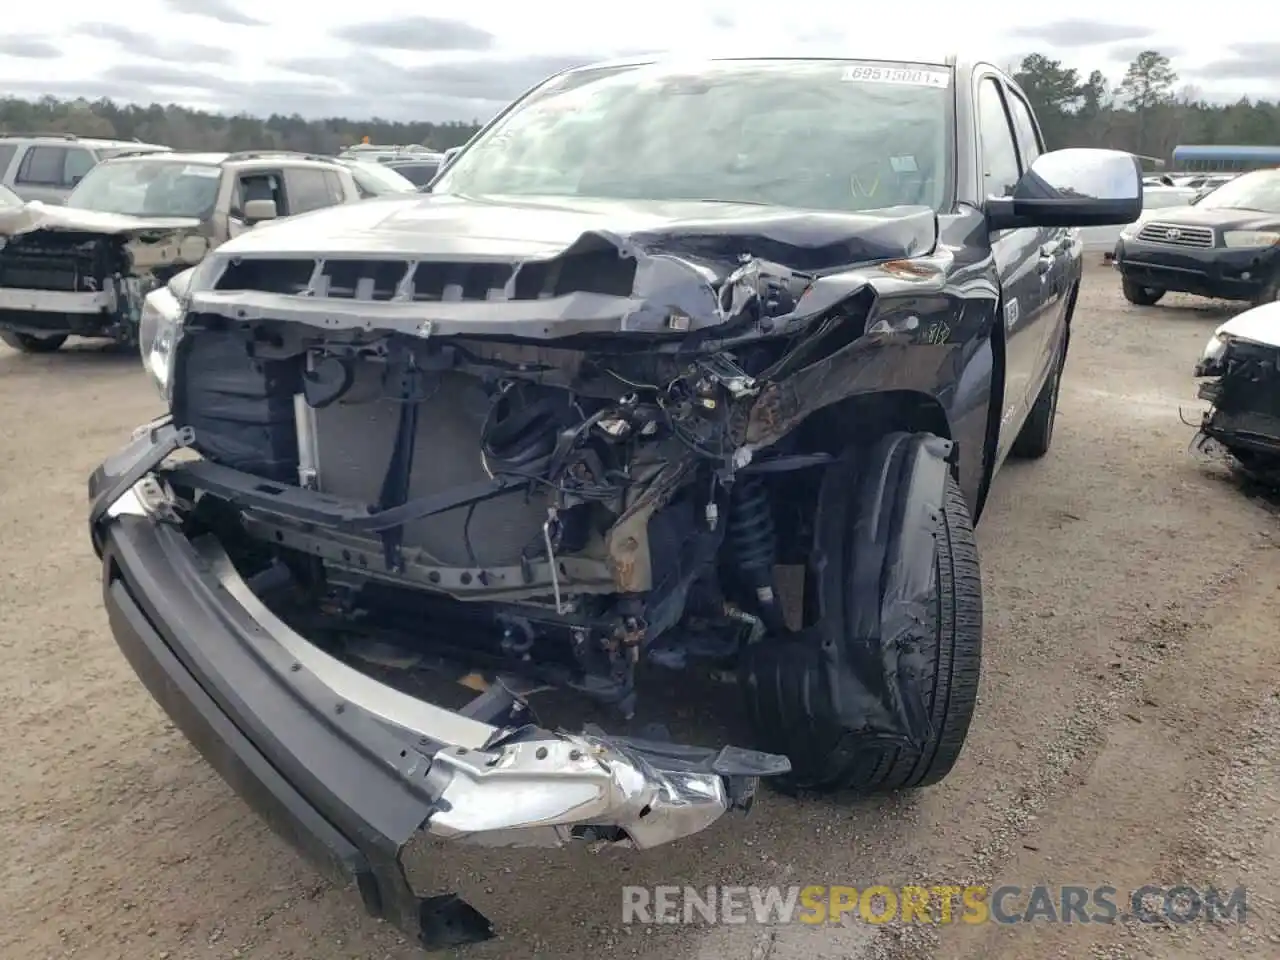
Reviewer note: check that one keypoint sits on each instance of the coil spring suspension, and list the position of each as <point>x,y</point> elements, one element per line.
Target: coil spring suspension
<point>750,531</point>
<point>753,543</point>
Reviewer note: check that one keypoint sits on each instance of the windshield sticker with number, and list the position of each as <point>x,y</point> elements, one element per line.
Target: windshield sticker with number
<point>901,75</point>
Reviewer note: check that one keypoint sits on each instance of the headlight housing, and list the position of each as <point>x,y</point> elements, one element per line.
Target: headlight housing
<point>1250,238</point>
<point>1214,349</point>
<point>1130,230</point>
<point>159,329</point>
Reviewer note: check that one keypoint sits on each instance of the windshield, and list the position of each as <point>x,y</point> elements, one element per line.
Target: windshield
<point>1259,190</point>
<point>823,135</point>
<point>374,179</point>
<point>149,188</point>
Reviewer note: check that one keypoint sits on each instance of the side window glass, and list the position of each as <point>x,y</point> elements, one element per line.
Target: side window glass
<point>43,166</point>
<point>77,164</point>
<point>7,153</point>
<point>308,190</point>
<point>334,183</point>
<point>265,185</point>
<point>1029,145</point>
<point>1000,169</point>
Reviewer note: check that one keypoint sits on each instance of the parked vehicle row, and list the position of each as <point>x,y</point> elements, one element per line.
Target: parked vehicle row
<point>555,424</point>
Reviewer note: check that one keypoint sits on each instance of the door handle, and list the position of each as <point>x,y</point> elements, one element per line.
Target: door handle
<point>1049,253</point>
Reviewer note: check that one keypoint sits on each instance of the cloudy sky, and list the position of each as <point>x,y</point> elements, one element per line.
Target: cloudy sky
<point>388,57</point>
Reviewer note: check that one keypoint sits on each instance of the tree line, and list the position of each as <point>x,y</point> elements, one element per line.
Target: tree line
<point>1145,112</point>
<point>186,129</point>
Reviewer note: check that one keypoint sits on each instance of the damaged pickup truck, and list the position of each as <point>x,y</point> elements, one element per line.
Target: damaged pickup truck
<point>660,336</point>
<point>1240,371</point>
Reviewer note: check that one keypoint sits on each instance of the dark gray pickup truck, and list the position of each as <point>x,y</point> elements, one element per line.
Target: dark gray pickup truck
<point>701,368</point>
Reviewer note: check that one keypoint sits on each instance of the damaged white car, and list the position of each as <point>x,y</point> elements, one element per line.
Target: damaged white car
<point>131,225</point>
<point>1240,368</point>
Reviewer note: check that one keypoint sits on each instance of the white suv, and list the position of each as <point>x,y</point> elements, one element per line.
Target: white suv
<point>48,166</point>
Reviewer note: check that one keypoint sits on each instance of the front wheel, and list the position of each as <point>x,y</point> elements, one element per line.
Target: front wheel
<point>30,343</point>
<point>1269,294</point>
<point>888,639</point>
<point>1135,292</point>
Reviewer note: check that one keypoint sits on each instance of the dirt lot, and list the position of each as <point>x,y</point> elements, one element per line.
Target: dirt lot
<point>1128,731</point>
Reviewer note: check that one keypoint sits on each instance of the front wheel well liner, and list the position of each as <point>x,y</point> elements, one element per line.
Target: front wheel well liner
<point>864,417</point>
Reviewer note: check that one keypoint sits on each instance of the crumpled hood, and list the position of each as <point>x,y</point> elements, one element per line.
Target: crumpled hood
<point>1259,325</point>
<point>40,216</point>
<point>434,226</point>
<point>550,267</point>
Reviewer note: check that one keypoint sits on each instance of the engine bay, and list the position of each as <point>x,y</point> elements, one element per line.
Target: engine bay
<point>564,512</point>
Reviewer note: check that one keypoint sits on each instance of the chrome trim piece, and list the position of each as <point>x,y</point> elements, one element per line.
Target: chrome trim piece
<point>1176,235</point>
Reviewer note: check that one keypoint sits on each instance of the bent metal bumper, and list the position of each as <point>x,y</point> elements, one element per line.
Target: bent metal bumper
<point>347,769</point>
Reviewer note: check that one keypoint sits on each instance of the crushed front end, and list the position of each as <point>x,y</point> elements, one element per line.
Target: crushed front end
<point>67,272</point>
<point>1240,372</point>
<point>551,474</point>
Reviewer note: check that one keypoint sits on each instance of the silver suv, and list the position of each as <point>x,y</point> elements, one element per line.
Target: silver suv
<point>132,223</point>
<point>47,166</point>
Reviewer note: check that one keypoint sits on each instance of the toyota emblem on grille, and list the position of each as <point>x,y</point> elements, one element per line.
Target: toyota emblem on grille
<point>1173,234</point>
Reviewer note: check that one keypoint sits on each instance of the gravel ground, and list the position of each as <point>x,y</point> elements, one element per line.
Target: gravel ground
<point>1128,730</point>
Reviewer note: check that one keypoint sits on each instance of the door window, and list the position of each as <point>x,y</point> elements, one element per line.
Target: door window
<point>43,166</point>
<point>1000,170</point>
<point>260,185</point>
<point>1029,145</point>
<point>334,183</point>
<point>308,189</point>
<point>77,164</point>
<point>7,151</point>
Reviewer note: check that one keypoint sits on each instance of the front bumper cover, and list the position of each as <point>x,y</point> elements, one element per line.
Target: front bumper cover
<point>1231,273</point>
<point>350,770</point>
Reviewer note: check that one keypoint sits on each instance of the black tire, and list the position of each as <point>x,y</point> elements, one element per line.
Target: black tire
<point>1036,436</point>
<point>789,697</point>
<point>1269,294</point>
<point>1135,292</point>
<point>29,343</point>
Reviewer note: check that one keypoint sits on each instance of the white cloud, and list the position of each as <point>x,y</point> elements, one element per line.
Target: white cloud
<point>361,80</point>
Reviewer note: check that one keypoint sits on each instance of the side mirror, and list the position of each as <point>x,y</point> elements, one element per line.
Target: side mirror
<point>258,210</point>
<point>1075,187</point>
<point>449,156</point>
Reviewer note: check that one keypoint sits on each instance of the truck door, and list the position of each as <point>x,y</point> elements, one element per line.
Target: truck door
<point>1055,250</point>
<point>1018,260</point>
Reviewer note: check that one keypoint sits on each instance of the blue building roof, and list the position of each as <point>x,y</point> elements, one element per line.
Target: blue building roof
<point>1223,152</point>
